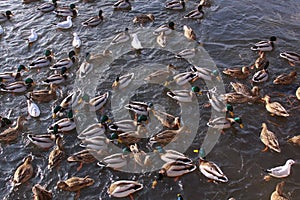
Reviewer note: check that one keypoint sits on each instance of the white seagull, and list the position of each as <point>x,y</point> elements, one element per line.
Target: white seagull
<point>76,43</point>
<point>32,37</point>
<point>136,44</point>
<point>65,24</point>
<point>281,171</point>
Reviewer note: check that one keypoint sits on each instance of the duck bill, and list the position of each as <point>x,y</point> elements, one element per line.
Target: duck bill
<point>26,69</point>
<point>200,93</point>
<point>218,78</point>
<point>80,101</point>
<point>231,113</point>
<point>53,115</point>
<point>115,84</point>
<point>154,184</point>
<point>241,126</point>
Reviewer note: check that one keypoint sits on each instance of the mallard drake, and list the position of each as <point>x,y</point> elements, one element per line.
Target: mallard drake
<point>122,81</point>
<point>269,139</point>
<point>143,18</point>
<point>165,137</point>
<point>43,96</point>
<point>94,21</point>
<point>177,168</point>
<point>115,161</point>
<point>264,45</point>
<point>56,79</point>
<point>175,5</point>
<point>295,140</point>
<point>189,33</point>
<point>160,75</point>
<point>205,74</point>
<point>167,120</point>
<point>121,37</point>
<point>76,43</point>
<point>65,24</point>
<point>17,86</point>
<point>184,96</point>
<point>11,76</point>
<point>97,129</point>
<point>162,39</point>
<point>42,61</point>
<point>64,125</point>
<point>33,109</point>
<point>224,123</point>
<point>292,57</point>
<point>260,62</point>
<point>57,154</point>
<point>123,126</point>
<point>172,156</point>
<point>275,108</point>
<point>166,28</point>
<point>11,134</point>
<point>82,157</point>
<point>140,108</point>
<point>66,62</point>
<point>184,78</point>
<point>285,79</point>
<point>124,188</point>
<point>186,53</point>
<point>40,193</point>
<point>96,143</point>
<point>195,14</point>
<point>140,157</point>
<point>65,11</point>
<point>278,193</point>
<point>44,141</point>
<point>4,122</point>
<point>32,37</point>
<point>219,104</point>
<point>212,171</point>
<point>97,102</point>
<point>24,172</point>
<point>5,16</point>
<point>131,137</point>
<point>281,171</point>
<point>237,72</point>
<point>122,5</point>
<point>48,7</point>
<point>261,75</point>
<point>86,67</point>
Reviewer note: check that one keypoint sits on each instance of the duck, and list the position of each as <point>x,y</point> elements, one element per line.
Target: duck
<point>184,96</point>
<point>5,16</point>
<point>70,101</point>
<point>11,133</point>
<point>275,108</point>
<point>115,161</point>
<point>4,122</point>
<point>243,89</point>
<point>260,62</point>
<point>43,96</point>
<point>261,75</point>
<point>224,123</point>
<point>195,14</point>
<point>264,45</point>
<point>13,76</point>
<point>165,137</point>
<point>66,62</point>
<point>33,109</point>
<point>122,81</point>
<point>175,5</point>
<point>121,37</point>
<point>40,193</point>
<point>65,24</point>
<point>162,39</point>
<point>167,120</point>
<point>98,102</point>
<point>186,53</point>
<point>70,11</point>
<point>17,86</point>
<point>295,140</point>
<point>76,43</point>
<point>94,21</point>
<point>42,62</point>
<point>139,156</point>
<point>184,78</point>
<point>127,125</point>
<point>212,171</point>
<point>281,171</point>
<point>84,156</point>
<point>171,155</point>
<point>166,28</point>
<point>33,37</point>
<point>124,188</point>
<point>292,57</point>
<point>139,108</point>
<point>278,193</point>
<point>189,33</point>
<point>57,154</point>
<point>237,72</point>
<point>96,129</point>
<point>269,139</point>
<point>44,141</point>
<point>64,125</point>
<point>205,73</point>
<point>285,79</point>
<point>48,7</point>
<point>143,18</point>
<point>239,98</point>
<point>122,5</point>
<point>131,137</point>
<point>86,66</point>
<point>57,79</point>
<point>160,75</point>
<point>219,104</point>
<point>95,143</point>
<point>24,172</point>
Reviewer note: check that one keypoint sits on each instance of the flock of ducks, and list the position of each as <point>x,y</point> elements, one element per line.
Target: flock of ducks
<point>128,133</point>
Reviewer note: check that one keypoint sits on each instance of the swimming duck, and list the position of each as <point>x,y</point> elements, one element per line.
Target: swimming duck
<point>175,5</point>
<point>165,137</point>
<point>43,96</point>
<point>97,129</point>
<point>11,76</point>
<point>292,57</point>
<point>269,139</point>
<point>261,75</point>
<point>66,62</point>
<point>143,18</point>
<point>115,161</point>
<point>177,168</point>
<point>264,45</point>
<point>11,134</point>
<point>172,156</point>
<point>124,188</point>
<point>57,79</point>
<point>33,109</point>
<point>166,28</point>
<point>5,16</point>
<point>205,73</point>
<point>48,7</point>
<point>189,33</point>
<point>32,37</point>
<point>127,125</point>
<point>86,67</point>
<point>94,21</point>
<point>97,102</point>
<point>24,172</point>
<point>237,72</point>
<point>243,89</point>
<point>84,156</point>
<point>140,108</point>
<point>122,5</point>
<point>42,61</point>
<point>275,108</point>
<point>40,193</point>
<point>44,141</point>
<point>186,53</point>
<point>195,14</point>
<point>65,11</point>
<point>260,62</point>
<point>17,86</point>
<point>160,76</point>
<point>161,39</point>
<point>219,104</point>
<point>278,193</point>
<point>184,96</point>
<point>70,101</point>
<point>295,140</point>
<point>96,143</point>
<point>167,120</point>
<point>235,97</point>
<point>139,156</point>
<point>224,123</point>
<point>65,24</point>
<point>285,79</point>
<point>57,154</point>
<point>131,137</point>
<point>212,171</point>
<point>64,125</point>
<point>281,171</point>
<point>122,81</point>
<point>184,78</point>
<point>121,37</point>
<point>76,43</point>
